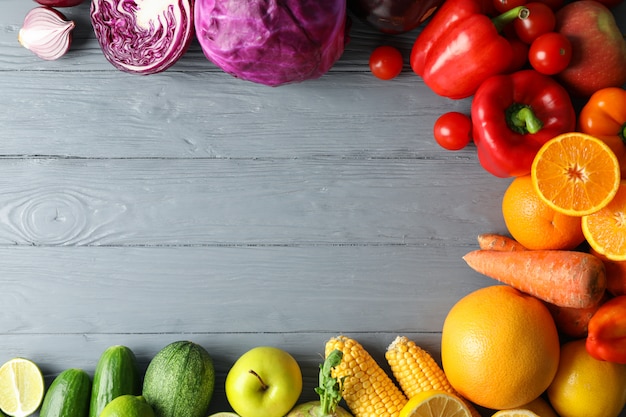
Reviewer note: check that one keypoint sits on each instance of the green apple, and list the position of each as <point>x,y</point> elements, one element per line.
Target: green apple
<point>264,382</point>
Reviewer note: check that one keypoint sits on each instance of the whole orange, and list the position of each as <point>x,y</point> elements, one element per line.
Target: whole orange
<point>499,347</point>
<point>533,223</point>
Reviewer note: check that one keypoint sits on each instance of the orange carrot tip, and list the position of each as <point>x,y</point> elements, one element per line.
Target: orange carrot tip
<point>564,278</point>
<point>495,241</point>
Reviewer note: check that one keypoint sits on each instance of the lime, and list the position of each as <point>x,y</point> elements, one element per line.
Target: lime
<point>128,406</point>
<point>21,387</point>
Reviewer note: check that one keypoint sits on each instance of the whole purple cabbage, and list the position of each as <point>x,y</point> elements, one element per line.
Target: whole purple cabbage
<point>143,36</point>
<point>272,42</point>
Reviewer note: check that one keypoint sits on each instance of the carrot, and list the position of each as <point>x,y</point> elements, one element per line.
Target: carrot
<point>573,322</point>
<point>561,277</point>
<point>495,241</point>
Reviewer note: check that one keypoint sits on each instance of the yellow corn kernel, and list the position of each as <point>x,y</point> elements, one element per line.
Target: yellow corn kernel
<point>416,370</point>
<point>367,389</point>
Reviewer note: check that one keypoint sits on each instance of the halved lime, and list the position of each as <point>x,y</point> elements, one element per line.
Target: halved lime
<point>21,387</point>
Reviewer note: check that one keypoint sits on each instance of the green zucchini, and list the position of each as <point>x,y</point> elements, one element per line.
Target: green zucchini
<point>68,395</point>
<point>117,373</point>
<point>179,381</point>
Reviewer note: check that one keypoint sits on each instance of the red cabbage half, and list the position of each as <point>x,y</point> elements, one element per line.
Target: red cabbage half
<point>272,42</point>
<point>143,36</point>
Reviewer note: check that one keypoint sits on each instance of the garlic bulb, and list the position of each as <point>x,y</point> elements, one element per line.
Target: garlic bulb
<point>46,33</point>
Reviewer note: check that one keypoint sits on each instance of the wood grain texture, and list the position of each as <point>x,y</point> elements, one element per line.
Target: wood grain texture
<point>231,289</point>
<point>317,201</point>
<point>200,115</point>
<point>191,205</point>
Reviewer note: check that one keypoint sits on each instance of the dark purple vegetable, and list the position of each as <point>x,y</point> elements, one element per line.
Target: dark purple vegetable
<point>143,36</point>
<point>59,3</point>
<point>394,16</point>
<point>272,42</point>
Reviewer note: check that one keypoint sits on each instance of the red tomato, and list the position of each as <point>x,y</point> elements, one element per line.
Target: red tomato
<point>453,130</point>
<point>386,62</point>
<point>538,20</point>
<point>550,53</point>
<point>505,5</point>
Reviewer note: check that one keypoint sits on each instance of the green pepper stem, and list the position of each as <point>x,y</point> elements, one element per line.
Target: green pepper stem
<point>507,17</point>
<point>622,133</point>
<point>521,119</point>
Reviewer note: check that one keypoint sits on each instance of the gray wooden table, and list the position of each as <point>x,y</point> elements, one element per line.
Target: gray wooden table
<point>191,205</point>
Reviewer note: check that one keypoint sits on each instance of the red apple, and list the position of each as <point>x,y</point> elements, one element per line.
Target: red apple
<point>60,3</point>
<point>394,16</point>
<point>598,47</point>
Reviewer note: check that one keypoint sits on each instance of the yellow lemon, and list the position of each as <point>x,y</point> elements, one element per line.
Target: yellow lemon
<point>21,387</point>
<point>540,407</point>
<point>435,403</point>
<point>586,387</point>
<point>517,412</point>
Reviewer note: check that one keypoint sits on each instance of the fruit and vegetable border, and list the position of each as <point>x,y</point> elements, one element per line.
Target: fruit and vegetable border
<point>543,76</point>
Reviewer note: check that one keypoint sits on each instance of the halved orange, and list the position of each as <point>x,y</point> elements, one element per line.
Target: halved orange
<point>575,173</point>
<point>605,230</point>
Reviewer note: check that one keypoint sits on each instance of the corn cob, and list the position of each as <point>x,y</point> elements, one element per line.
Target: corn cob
<point>367,390</point>
<point>417,371</point>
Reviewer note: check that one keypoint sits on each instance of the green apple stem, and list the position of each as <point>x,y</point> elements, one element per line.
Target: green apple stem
<point>330,389</point>
<point>263,384</point>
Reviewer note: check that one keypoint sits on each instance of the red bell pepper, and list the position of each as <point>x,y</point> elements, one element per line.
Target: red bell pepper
<point>513,115</point>
<point>606,334</point>
<point>461,47</point>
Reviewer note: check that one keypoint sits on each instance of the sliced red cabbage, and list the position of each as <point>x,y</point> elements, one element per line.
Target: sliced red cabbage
<point>143,36</point>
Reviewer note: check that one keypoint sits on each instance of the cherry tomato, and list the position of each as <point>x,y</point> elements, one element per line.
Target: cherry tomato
<point>453,131</point>
<point>505,5</point>
<point>550,53</point>
<point>538,20</point>
<point>386,62</point>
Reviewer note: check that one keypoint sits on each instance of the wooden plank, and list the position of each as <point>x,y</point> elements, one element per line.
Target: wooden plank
<point>344,288</point>
<point>198,115</point>
<point>326,201</point>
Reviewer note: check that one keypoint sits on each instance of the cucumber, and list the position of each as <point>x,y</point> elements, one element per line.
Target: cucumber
<point>68,395</point>
<point>116,374</point>
<point>179,381</point>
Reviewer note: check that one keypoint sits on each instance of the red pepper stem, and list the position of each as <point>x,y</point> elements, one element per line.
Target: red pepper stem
<point>507,17</point>
<point>522,120</point>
